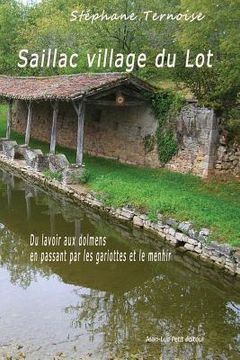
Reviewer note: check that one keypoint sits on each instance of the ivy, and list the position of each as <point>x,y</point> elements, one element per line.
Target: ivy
<point>166,106</point>
<point>149,143</point>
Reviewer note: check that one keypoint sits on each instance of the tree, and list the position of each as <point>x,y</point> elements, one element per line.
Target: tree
<point>50,20</point>
<point>11,19</point>
<point>47,25</point>
<point>218,86</point>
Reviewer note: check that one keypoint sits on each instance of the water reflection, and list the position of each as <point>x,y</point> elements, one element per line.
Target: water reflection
<point>111,308</point>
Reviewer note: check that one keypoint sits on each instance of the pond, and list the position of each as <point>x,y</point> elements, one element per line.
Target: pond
<point>176,309</point>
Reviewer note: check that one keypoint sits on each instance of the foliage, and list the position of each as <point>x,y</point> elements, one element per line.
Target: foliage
<point>149,143</point>
<point>166,106</point>
<point>47,25</point>
<point>11,20</point>
<point>218,86</point>
<point>233,130</point>
<point>168,146</point>
<point>3,120</point>
<point>233,125</point>
<point>56,175</point>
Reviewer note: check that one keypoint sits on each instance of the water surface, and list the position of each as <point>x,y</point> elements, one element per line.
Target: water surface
<point>107,310</point>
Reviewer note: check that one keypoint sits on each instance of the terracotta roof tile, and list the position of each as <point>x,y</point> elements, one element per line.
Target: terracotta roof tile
<point>62,87</point>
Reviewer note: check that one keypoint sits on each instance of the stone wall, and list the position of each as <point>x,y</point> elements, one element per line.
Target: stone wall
<point>181,235</point>
<point>197,132</point>
<point>228,158</point>
<point>120,133</point>
<point>111,132</point>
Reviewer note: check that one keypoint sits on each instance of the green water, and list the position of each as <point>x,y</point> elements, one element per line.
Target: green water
<point>153,310</point>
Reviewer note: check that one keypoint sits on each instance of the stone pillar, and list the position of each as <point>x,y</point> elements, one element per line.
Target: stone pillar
<point>211,145</point>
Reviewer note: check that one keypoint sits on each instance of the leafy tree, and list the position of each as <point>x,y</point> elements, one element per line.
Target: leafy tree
<point>46,24</point>
<point>11,19</point>
<point>50,21</point>
<point>219,31</point>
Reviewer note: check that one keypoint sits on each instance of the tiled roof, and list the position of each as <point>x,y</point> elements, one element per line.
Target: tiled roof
<point>63,87</point>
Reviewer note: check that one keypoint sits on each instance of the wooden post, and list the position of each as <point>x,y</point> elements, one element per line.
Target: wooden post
<point>80,110</point>
<point>54,128</point>
<point>80,134</point>
<point>29,121</point>
<point>9,120</point>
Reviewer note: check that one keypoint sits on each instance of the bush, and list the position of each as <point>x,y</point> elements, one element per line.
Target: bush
<point>166,106</point>
<point>233,128</point>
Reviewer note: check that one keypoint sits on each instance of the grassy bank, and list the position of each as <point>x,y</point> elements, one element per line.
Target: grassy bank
<point>207,204</point>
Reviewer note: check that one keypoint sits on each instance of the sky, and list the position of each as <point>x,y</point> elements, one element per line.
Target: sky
<point>29,1</point>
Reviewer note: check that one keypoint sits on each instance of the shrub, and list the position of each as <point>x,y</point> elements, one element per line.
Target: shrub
<point>166,106</point>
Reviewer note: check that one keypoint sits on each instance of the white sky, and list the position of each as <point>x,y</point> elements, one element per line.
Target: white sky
<point>29,1</point>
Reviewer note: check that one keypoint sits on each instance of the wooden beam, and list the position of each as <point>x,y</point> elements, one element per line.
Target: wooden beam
<point>54,128</point>
<point>9,119</point>
<point>126,91</point>
<point>29,121</point>
<point>104,89</point>
<point>113,103</point>
<point>80,111</point>
<point>133,93</point>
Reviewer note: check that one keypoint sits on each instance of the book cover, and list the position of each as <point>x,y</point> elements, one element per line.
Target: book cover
<point>119,180</point>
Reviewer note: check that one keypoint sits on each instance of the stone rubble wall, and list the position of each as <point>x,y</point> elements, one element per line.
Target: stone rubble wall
<point>228,158</point>
<point>119,133</point>
<point>181,235</point>
<point>116,133</point>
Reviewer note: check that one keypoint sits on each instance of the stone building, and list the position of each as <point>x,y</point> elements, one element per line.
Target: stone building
<point>117,117</point>
<point>106,115</point>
